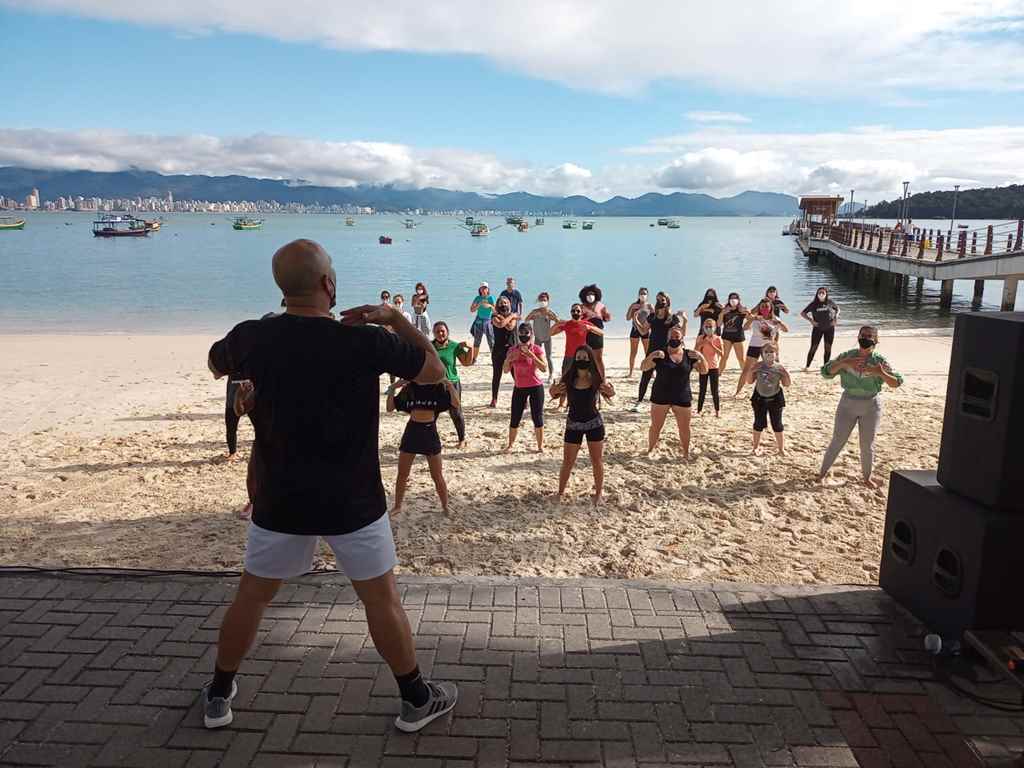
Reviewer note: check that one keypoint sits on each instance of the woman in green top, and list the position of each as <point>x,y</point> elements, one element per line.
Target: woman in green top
<point>483,305</point>
<point>449,351</point>
<point>862,372</point>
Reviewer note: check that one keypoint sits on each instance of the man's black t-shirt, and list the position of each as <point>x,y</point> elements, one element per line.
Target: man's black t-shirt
<point>316,417</point>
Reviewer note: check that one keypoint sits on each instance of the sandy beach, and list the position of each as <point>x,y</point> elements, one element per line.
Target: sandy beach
<point>113,455</point>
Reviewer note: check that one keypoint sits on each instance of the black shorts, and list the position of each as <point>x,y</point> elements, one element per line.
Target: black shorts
<point>421,439</point>
<point>734,338</point>
<point>765,407</point>
<point>635,334</point>
<point>677,402</point>
<point>595,341</point>
<point>754,352</point>
<point>575,436</point>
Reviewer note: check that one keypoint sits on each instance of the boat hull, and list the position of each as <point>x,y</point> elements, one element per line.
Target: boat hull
<point>125,233</point>
<point>15,225</point>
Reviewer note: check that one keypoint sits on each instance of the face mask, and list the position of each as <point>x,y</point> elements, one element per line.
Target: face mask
<point>674,343</point>
<point>576,315</point>
<point>543,303</point>
<point>766,311</point>
<point>643,297</point>
<point>734,302</point>
<point>591,298</point>
<point>660,304</point>
<point>768,358</point>
<point>822,296</point>
<point>709,329</point>
<point>503,310</point>
<point>524,338</point>
<point>399,307</point>
<point>583,365</point>
<point>866,343</point>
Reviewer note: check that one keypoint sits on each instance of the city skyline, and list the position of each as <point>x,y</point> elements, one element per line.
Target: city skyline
<point>598,99</point>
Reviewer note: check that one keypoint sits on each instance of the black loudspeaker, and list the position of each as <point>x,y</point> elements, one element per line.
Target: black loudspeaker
<point>948,560</point>
<point>980,457</point>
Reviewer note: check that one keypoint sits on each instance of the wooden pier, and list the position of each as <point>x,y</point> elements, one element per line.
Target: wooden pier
<point>995,252</point>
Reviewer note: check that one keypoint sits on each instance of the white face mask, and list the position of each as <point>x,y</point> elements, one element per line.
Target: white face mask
<point>709,329</point>
<point>734,302</point>
<point>822,296</point>
<point>543,303</point>
<point>591,298</point>
<point>768,358</point>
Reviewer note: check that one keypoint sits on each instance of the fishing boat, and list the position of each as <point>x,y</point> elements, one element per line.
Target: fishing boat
<point>9,222</point>
<point>515,221</point>
<point>350,222</point>
<point>479,230</point>
<point>663,222</point>
<point>792,229</point>
<point>469,221</point>
<point>244,222</point>
<point>569,224</point>
<point>153,225</point>
<point>119,226</point>
<point>384,240</point>
<point>409,224</point>
<point>538,222</point>
<point>672,224</point>
<point>588,225</point>
<point>522,226</point>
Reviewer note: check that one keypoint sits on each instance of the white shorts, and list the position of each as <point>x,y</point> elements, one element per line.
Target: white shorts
<point>360,555</point>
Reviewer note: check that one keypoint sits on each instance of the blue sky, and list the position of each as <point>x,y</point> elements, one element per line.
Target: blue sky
<point>558,106</point>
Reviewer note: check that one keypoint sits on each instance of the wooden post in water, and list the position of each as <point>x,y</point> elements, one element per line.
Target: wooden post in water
<point>988,240</point>
<point>974,242</point>
<point>920,286</point>
<point>1020,234</point>
<point>979,290</point>
<point>1009,294</point>
<point>946,294</point>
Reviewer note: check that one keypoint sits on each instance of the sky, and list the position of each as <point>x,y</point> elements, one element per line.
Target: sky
<point>556,97</point>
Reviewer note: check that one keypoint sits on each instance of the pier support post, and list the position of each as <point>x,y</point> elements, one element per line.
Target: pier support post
<point>979,290</point>
<point>919,288</point>
<point>876,277</point>
<point>946,294</point>
<point>1009,294</point>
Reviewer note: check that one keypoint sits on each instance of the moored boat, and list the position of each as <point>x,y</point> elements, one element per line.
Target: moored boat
<point>153,225</point>
<point>119,226</point>
<point>522,226</point>
<point>469,221</point>
<point>663,222</point>
<point>244,222</point>
<point>514,220</point>
<point>9,222</point>
<point>672,224</point>
<point>479,230</point>
<point>569,224</point>
<point>350,222</point>
<point>538,222</point>
<point>384,240</point>
<point>588,225</point>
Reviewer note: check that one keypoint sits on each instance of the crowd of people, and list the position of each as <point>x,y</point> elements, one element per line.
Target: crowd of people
<point>311,386</point>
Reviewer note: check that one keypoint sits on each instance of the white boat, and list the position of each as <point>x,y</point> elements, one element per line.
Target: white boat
<point>569,224</point>
<point>588,225</point>
<point>672,224</point>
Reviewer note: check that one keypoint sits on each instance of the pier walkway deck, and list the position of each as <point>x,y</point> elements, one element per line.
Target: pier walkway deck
<point>105,671</point>
<point>992,253</point>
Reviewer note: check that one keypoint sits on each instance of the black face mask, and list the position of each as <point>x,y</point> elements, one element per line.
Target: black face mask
<point>866,343</point>
<point>583,365</point>
<point>660,304</point>
<point>576,315</point>
<point>674,343</point>
<point>503,310</point>
<point>524,339</point>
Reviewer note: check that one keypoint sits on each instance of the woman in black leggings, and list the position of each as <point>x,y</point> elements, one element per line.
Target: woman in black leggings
<point>822,314</point>
<point>504,324</point>
<point>524,360</point>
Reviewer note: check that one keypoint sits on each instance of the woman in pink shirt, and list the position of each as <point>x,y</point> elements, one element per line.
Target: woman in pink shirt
<point>709,345</point>
<point>525,359</point>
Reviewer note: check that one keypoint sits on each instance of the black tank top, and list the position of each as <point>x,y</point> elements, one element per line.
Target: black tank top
<point>582,404</point>
<point>673,379</point>
<point>502,340</point>
<point>425,397</point>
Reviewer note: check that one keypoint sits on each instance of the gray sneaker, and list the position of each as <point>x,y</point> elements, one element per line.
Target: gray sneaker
<point>443,697</point>
<point>217,711</point>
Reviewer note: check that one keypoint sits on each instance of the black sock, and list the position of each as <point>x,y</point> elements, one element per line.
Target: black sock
<point>412,688</point>
<point>221,685</point>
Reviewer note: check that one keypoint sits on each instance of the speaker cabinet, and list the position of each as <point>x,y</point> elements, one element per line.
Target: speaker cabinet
<point>948,560</point>
<point>980,457</point>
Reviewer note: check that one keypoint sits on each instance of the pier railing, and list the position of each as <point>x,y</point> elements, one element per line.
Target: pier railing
<point>930,244</point>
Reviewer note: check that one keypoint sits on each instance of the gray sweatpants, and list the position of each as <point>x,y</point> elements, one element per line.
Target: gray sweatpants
<point>865,413</point>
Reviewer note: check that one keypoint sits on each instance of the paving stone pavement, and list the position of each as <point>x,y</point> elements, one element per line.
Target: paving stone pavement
<point>105,671</point>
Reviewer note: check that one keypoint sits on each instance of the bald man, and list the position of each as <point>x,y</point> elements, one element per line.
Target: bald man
<point>315,407</point>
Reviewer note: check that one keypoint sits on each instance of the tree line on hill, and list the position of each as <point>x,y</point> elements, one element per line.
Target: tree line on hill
<point>988,203</point>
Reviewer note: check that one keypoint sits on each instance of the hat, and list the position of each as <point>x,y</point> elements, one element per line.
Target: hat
<point>483,284</point>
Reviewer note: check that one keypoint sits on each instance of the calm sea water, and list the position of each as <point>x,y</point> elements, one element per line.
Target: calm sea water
<point>199,275</point>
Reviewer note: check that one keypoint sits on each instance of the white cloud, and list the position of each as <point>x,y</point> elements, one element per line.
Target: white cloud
<point>777,46</point>
<point>711,116</point>
<point>873,160</point>
<point>332,163</point>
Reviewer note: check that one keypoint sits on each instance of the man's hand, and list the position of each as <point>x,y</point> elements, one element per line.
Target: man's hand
<point>371,314</point>
<point>245,397</point>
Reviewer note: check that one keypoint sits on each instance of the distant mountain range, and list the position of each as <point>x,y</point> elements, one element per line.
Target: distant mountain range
<point>18,182</point>
<point>986,203</point>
